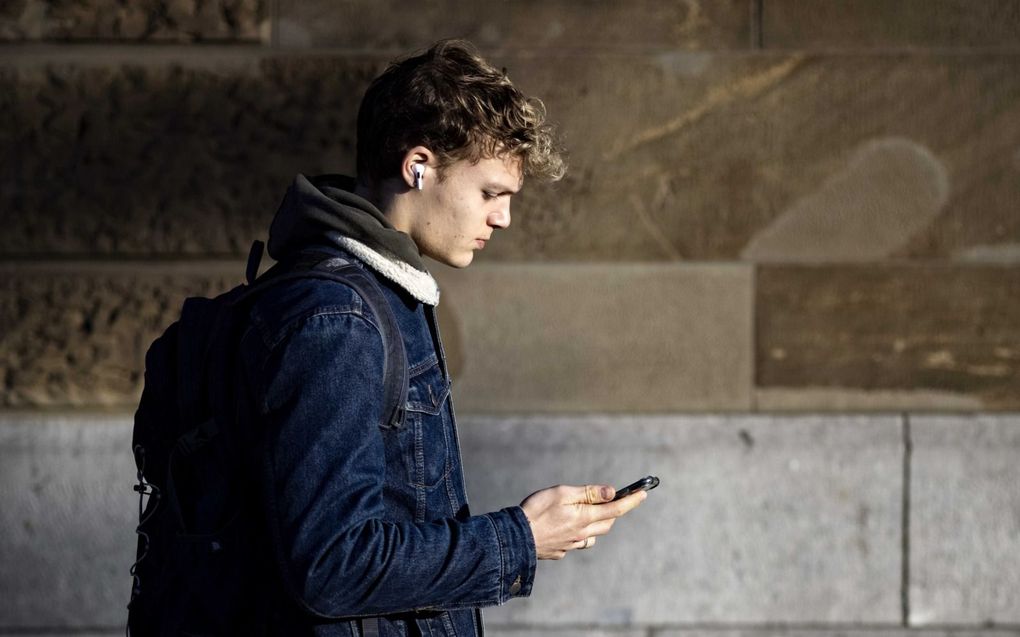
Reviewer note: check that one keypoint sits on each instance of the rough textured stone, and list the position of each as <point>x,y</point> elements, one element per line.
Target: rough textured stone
<point>76,334</point>
<point>965,520</point>
<point>844,24</point>
<point>67,520</point>
<point>757,519</point>
<point>179,152</point>
<point>613,338</point>
<point>946,329</point>
<point>148,20</point>
<point>559,25</point>
<point>673,155</point>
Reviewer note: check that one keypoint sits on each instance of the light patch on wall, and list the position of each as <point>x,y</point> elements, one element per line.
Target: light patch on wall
<point>890,190</point>
<point>684,63</point>
<point>293,34</point>
<point>1004,253</point>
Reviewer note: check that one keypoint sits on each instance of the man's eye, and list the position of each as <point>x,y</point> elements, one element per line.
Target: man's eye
<point>489,195</point>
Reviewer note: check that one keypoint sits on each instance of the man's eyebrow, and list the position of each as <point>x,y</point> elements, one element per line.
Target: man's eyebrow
<point>501,189</point>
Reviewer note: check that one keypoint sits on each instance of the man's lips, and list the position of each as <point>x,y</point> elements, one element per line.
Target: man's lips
<point>480,243</point>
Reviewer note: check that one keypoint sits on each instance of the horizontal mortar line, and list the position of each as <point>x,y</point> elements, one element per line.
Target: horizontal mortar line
<point>75,630</point>
<point>77,258</point>
<point>222,51</point>
<point>127,409</point>
<point>878,628</point>
<point>763,626</point>
<point>131,266</point>
<point>887,414</point>
<point>63,411</point>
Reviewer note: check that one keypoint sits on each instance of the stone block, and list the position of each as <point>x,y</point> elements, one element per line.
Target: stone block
<point>674,156</point>
<point>965,520</point>
<point>875,24</point>
<point>145,20</point>
<point>576,337</point>
<point>903,335</point>
<point>704,157</point>
<point>76,334</point>
<point>172,152</point>
<point>67,521</point>
<point>758,519</point>
<point>523,24</point>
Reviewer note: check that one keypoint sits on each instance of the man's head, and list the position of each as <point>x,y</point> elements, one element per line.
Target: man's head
<point>444,140</point>
<point>457,105</point>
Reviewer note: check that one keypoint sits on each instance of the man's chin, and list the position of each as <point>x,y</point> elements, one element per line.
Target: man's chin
<point>454,261</point>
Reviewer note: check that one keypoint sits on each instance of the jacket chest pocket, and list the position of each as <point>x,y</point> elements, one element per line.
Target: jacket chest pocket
<point>425,436</point>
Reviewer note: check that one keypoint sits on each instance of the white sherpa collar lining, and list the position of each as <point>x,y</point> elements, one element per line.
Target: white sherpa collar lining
<point>417,283</point>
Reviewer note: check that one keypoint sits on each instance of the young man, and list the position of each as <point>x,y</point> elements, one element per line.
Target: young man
<point>366,522</point>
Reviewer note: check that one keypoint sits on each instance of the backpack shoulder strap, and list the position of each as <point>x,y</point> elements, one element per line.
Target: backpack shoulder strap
<point>320,265</point>
<point>395,378</point>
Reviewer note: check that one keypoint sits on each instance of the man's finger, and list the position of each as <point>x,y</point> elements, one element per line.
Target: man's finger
<point>601,527</point>
<point>595,494</point>
<point>618,508</point>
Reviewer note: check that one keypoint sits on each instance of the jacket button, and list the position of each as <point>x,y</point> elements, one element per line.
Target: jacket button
<point>516,586</point>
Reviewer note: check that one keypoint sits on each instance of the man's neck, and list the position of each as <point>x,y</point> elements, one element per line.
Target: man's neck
<point>384,196</point>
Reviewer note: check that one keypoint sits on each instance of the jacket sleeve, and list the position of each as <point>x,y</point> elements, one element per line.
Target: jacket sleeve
<point>323,470</point>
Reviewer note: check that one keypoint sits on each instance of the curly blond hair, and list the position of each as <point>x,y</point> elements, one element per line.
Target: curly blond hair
<point>457,105</point>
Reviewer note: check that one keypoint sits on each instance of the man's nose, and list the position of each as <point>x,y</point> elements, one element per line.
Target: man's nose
<point>500,218</point>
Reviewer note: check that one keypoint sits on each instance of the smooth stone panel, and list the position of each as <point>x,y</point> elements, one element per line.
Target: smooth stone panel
<point>583,338</point>
<point>75,334</point>
<point>135,21</point>
<point>859,24</point>
<point>673,156</point>
<point>522,24</point>
<point>758,519</point>
<point>965,519</point>
<point>67,520</point>
<point>941,331</point>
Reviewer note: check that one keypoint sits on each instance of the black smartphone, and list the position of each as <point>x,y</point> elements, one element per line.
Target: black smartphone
<point>644,484</point>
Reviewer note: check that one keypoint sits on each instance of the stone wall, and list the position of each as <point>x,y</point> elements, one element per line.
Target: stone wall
<point>783,272</point>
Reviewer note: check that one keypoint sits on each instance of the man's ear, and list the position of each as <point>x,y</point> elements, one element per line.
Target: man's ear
<point>418,156</point>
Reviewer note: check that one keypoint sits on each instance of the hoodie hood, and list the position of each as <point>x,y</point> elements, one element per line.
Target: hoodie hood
<point>324,210</point>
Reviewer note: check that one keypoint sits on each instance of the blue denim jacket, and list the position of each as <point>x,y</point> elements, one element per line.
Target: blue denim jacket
<point>363,518</point>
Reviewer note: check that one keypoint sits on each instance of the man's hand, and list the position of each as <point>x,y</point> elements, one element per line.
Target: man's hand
<point>567,518</point>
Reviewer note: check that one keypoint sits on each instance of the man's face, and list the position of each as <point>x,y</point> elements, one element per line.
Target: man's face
<point>456,215</point>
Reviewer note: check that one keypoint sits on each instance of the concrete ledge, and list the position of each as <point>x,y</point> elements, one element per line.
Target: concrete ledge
<point>758,519</point>
<point>67,519</point>
<point>965,519</point>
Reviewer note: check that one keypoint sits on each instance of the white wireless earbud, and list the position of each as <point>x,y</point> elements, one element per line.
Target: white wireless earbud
<point>419,175</point>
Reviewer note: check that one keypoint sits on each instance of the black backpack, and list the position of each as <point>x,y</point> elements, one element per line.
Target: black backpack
<point>194,543</point>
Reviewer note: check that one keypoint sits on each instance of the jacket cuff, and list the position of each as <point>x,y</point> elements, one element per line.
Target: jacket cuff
<point>517,552</point>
